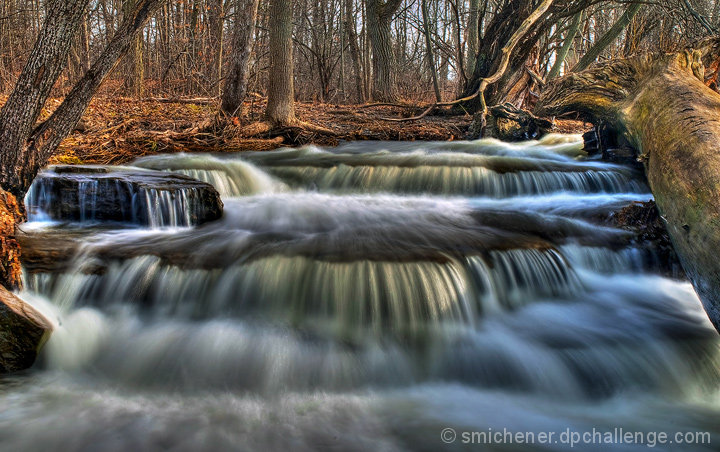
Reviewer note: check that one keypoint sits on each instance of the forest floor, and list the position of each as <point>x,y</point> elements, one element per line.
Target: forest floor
<point>116,130</point>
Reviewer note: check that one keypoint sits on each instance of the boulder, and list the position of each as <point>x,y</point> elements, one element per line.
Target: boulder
<point>23,331</point>
<point>120,194</point>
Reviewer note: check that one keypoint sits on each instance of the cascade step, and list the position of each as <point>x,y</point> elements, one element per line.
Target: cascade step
<point>87,193</point>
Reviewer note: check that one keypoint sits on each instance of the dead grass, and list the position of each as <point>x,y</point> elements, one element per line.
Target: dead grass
<point>116,130</point>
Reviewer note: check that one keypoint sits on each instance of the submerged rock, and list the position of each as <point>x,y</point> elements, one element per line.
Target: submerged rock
<point>23,331</point>
<point>145,197</point>
<point>644,220</point>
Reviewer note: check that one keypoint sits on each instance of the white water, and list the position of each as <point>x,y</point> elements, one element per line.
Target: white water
<point>363,321</point>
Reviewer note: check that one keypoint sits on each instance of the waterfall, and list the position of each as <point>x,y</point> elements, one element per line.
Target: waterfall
<point>358,298</point>
<point>348,298</point>
<point>231,177</point>
<point>488,168</point>
<point>117,194</point>
<point>453,180</point>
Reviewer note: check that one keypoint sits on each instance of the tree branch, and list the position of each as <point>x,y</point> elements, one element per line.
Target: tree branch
<point>504,62</point>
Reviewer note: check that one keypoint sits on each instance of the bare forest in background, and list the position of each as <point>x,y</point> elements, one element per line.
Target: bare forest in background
<point>434,46</point>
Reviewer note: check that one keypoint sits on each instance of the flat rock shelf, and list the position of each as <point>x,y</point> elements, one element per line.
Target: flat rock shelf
<point>122,194</point>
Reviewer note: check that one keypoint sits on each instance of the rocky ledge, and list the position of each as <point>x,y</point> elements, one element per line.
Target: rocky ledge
<point>119,194</point>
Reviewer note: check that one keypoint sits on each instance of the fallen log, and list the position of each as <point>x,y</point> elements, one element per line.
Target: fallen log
<point>661,107</point>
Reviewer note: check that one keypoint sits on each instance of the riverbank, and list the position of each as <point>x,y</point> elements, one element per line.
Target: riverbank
<point>117,130</point>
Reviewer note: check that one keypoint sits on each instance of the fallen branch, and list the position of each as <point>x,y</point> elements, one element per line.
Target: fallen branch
<point>387,104</point>
<point>177,100</point>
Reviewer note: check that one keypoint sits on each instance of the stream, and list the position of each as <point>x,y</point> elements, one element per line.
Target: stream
<point>375,296</point>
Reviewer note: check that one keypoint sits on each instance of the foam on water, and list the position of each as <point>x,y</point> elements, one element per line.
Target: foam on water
<point>231,177</point>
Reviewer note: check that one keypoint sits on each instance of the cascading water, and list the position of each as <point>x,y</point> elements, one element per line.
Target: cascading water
<point>354,320</point>
<point>486,168</point>
<point>230,177</point>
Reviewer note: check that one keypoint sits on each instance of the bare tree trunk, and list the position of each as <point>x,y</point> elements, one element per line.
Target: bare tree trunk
<point>500,29</point>
<point>379,19</point>
<point>136,73</point>
<point>33,149</point>
<point>566,46</point>
<point>215,19</point>
<point>367,65</point>
<point>281,90</point>
<point>236,82</point>
<point>85,40</point>
<point>594,52</point>
<point>354,50</point>
<point>32,90</point>
<point>429,50</point>
<point>473,25</point>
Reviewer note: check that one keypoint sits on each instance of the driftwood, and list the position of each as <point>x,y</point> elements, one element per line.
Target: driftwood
<point>661,106</point>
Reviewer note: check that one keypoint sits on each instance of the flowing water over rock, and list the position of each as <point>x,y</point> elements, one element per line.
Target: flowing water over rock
<point>118,194</point>
<point>367,298</point>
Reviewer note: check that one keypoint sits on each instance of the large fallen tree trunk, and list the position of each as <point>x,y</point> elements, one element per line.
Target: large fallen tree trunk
<point>661,106</point>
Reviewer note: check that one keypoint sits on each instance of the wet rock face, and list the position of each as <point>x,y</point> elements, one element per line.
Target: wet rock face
<point>644,220</point>
<point>23,331</point>
<point>119,194</point>
<point>10,216</point>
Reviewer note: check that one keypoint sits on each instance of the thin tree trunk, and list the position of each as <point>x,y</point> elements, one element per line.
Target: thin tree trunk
<point>429,50</point>
<point>341,29</point>
<point>594,52</point>
<point>236,82</point>
<point>354,50</point>
<point>216,20</point>
<point>473,26</point>
<point>86,42</point>
<point>134,61</point>
<point>566,46</point>
<point>281,90</point>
